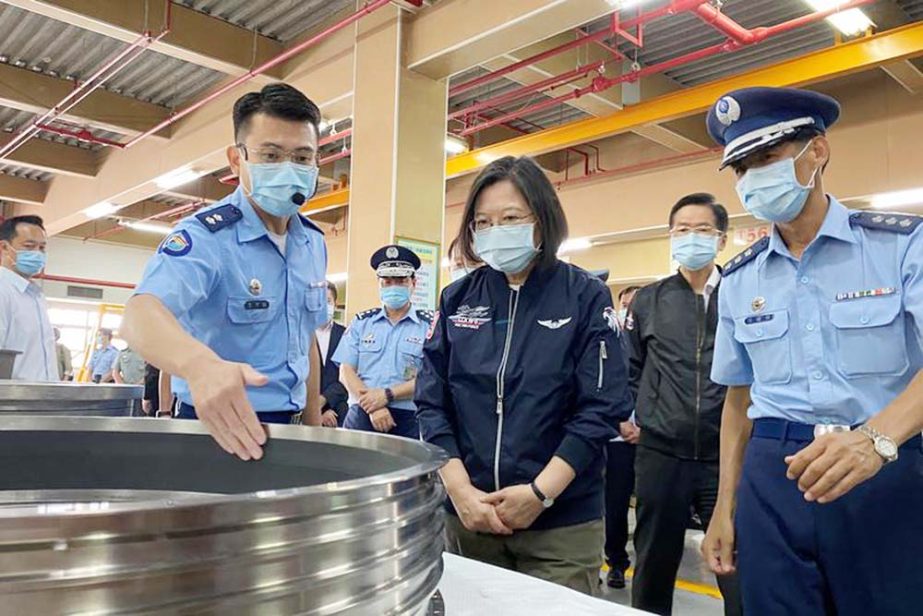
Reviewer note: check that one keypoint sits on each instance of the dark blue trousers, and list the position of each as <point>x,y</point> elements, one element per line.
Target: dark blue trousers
<point>620,484</point>
<point>861,555</point>
<point>188,412</point>
<point>357,419</point>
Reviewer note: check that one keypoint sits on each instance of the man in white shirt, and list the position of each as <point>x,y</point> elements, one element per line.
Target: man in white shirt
<point>24,323</point>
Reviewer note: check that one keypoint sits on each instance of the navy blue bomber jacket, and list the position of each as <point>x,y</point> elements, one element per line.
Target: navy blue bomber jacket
<point>511,378</point>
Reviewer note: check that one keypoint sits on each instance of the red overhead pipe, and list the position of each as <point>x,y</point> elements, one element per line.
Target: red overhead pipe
<point>724,24</point>
<point>82,135</point>
<point>677,6</point>
<point>601,83</point>
<point>335,157</point>
<point>369,7</point>
<point>644,166</point>
<point>599,43</point>
<point>334,137</point>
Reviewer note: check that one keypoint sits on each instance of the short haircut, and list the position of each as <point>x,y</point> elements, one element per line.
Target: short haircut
<point>8,226</point>
<point>628,290</point>
<point>333,289</point>
<point>539,193</point>
<point>277,100</point>
<point>707,200</point>
<point>106,332</point>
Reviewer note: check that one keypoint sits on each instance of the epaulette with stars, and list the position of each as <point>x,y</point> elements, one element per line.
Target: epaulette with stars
<point>426,315</point>
<point>746,256</point>
<point>904,224</point>
<point>220,217</point>
<point>367,313</point>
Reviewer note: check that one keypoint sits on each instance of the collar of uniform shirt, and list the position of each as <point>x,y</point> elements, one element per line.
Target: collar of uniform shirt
<point>836,225</point>
<point>411,314</point>
<point>19,283</point>
<point>251,227</point>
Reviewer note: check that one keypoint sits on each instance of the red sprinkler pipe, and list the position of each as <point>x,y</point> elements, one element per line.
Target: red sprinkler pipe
<point>82,135</point>
<point>601,83</point>
<point>333,138</point>
<point>724,24</point>
<point>369,7</point>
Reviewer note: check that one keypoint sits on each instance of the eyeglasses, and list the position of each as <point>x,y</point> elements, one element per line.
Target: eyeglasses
<point>482,224</point>
<point>681,230</point>
<point>271,155</point>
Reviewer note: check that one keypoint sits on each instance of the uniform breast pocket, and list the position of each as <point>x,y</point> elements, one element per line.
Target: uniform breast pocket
<point>870,336</point>
<point>250,310</point>
<point>315,299</point>
<point>766,339</point>
<point>411,356</point>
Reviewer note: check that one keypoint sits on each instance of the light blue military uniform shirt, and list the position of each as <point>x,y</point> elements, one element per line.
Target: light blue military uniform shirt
<point>103,361</point>
<point>831,338</point>
<point>230,287</point>
<point>385,355</point>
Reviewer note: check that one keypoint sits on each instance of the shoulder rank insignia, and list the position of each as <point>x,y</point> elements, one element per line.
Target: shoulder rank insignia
<point>746,256</point>
<point>904,224</point>
<point>220,217</point>
<point>425,315</point>
<point>307,222</point>
<point>365,314</point>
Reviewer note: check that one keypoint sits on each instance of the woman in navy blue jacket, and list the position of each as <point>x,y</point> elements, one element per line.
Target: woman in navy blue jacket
<point>523,384</point>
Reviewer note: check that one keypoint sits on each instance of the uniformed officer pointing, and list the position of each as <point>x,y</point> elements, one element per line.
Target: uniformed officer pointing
<point>382,350</point>
<point>819,340</point>
<point>230,302</point>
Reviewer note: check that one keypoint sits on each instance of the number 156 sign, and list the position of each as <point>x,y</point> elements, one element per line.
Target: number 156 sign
<point>747,235</point>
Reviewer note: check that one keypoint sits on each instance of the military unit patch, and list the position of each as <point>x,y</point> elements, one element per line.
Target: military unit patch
<point>176,244</point>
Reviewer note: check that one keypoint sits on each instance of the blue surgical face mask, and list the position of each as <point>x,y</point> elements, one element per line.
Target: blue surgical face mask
<point>30,262</point>
<point>274,184</point>
<point>508,248</point>
<point>773,193</point>
<point>394,297</point>
<point>694,250</point>
<point>331,310</point>
<point>457,274</point>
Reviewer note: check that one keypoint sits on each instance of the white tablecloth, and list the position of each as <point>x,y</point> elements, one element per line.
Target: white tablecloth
<point>471,588</point>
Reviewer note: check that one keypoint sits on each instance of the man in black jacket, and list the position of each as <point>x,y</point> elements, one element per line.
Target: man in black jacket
<point>333,393</point>
<point>678,408</point>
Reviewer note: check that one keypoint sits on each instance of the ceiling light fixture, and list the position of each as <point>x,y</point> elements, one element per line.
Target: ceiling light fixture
<point>103,208</point>
<point>340,277</point>
<point>147,227</point>
<point>574,245</point>
<point>177,177</point>
<point>850,22</point>
<point>455,145</point>
<point>897,198</point>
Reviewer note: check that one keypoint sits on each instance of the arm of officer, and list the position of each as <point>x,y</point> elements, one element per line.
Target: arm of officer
<point>347,356</point>
<point>311,415</point>
<point>174,281</point>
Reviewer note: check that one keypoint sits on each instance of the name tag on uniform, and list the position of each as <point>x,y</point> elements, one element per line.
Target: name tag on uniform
<point>256,304</point>
<point>870,293</point>
<point>762,318</point>
<point>415,340</point>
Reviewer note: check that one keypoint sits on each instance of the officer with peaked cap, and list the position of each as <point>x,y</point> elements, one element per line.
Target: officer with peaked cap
<point>381,352</point>
<point>820,340</point>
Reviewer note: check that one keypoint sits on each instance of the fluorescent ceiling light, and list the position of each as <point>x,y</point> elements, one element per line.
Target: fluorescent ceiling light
<point>574,245</point>
<point>148,227</point>
<point>850,22</point>
<point>624,4</point>
<point>340,277</point>
<point>177,177</point>
<point>324,125</point>
<point>898,198</point>
<point>103,208</point>
<point>454,145</point>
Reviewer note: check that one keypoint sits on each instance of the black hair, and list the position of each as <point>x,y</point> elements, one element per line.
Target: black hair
<point>105,332</point>
<point>539,193</point>
<point>707,200</point>
<point>8,226</point>
<point>628,290</point>
<point>277,100</point>
<point>333,289</point>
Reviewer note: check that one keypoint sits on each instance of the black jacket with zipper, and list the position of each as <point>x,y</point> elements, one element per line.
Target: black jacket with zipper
<point>672,339</point>
<point>513,378</point>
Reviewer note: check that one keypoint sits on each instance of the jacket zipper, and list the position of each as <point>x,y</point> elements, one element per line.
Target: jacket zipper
<point>699,339</point>
<point>501,376</point>
<point>603,356</point>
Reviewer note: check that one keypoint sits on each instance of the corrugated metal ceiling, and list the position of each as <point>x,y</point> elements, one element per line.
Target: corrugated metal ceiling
<point>23,172</point>
<point>913,8</point>
<point>34,42</point>
<point>11,120</point>
<point>282,20</point>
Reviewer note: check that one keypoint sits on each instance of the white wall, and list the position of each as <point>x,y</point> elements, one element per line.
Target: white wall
<point>94,260</point>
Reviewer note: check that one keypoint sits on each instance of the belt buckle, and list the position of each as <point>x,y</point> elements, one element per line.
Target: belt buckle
<point>822,429</point>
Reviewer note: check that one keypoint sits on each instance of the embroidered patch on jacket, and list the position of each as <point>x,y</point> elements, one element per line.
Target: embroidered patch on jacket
<point>555,323</point>
<point>612,319</point>
<point>471,318</point>
<point>432,326</point>
<point>176,244</point>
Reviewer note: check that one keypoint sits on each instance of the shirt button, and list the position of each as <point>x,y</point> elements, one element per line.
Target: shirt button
<point>864,320</point>
<point>805,280</point>
<point>809,327</point>
<point>759,333</point>
<point>818,375</point>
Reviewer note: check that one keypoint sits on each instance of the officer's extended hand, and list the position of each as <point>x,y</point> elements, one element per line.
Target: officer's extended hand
<point>833,465</point>
<point>373,400</point>
<point>329,419</point>
<point>718,546</point>
<point>517,506</point>
<point>382,420</point>
<point>221,403</point>
<point>477,516</point>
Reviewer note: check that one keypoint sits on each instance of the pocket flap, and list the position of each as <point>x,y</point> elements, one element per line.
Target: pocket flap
<point>865,312</point>
<point>758,327</point>
<point>244,310</point>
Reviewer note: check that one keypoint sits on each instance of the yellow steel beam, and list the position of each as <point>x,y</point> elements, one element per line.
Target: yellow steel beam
<point>855,56</point>
<point>326,201</point>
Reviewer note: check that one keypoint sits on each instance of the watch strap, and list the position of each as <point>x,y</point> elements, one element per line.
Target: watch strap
<point>875,436</point>
<point>389,395</point>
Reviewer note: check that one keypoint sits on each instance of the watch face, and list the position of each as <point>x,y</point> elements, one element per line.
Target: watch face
<point>886,448</point>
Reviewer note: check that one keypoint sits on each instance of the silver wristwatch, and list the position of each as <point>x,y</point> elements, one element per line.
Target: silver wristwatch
<point>884,445</point>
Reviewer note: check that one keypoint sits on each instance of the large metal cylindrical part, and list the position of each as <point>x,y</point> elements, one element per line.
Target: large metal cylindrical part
<point>70,399</point>
<point>116,515</point>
